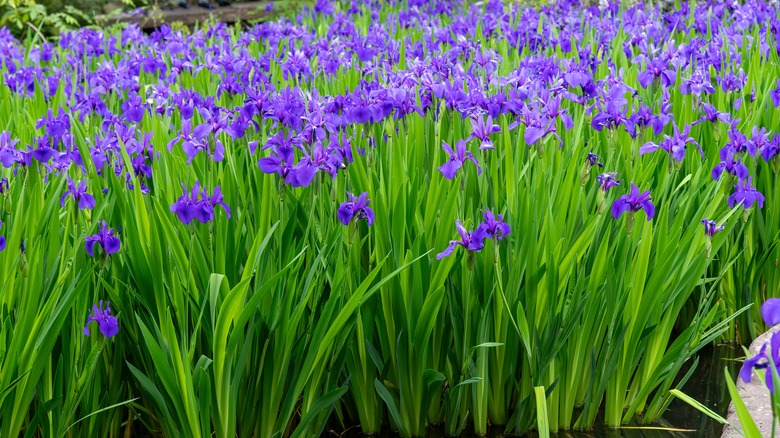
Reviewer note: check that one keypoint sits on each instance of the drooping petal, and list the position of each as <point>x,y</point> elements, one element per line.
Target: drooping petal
<point>109,326</point>
<point>345,212</point>
<point>648,148</point>
<point>369,215</point>
<point>450,168</point>
<point>770,311</point>
<point>90,245</point>
<point>649,209</point>
<point>111,245</point>
<point>86,202</point>
<point>746,372</point>
<point>447,251</point>
<point>717,171</point>
<point>620,206</point>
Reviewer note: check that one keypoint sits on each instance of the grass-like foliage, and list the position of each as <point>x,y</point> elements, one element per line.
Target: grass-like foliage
<point>392,214</point>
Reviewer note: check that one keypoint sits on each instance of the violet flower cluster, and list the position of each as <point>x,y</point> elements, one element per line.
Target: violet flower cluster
<point>198,204</point>
<point>492,227</point>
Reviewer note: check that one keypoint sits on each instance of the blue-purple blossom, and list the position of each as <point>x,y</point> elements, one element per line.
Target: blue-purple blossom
<point>197,204</point>
<point>83,200</point>
<point>356,207</point>
<point>711,227</point>
<point>494,225</point>
<point>472,241</point>
<point>674,145</point>
<point>607,181</point>
<point>633,202</point>
<point>481,130</point>
<point>105,238</point>
<point>746,194</point>
<point>456,159</point>
<point>107,323</point>
<point>730,165</point>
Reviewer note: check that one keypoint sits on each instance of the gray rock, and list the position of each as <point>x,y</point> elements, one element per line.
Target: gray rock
<point>755,395</point>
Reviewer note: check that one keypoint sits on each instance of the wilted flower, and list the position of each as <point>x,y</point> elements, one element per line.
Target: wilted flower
<point>633,202</point>
<point>83,200</point>
<point>456,159</point>
<point>108,323</point>
<point>593,159</point>
<point>356,207</point>
<point>105,238</point>
<point>472,241</point>
<point>746,194</point>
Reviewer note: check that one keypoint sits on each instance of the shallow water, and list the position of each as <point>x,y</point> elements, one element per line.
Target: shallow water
<point>707,385</point>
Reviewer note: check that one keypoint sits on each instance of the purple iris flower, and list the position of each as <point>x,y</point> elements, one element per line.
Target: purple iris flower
<point>494,225</point>
<point>191,144</point>
<point>356,207</point>
<point>657,69</point>
<point>133,109</point>
<point>770,311</point>
<point>746,194</point>
<point>84,200</point>
<point>456,159</point>
<point>697,84</point>
<point>4,186</point>
<point>481,130</point>
<point>197,204</point>
<point>108,323</point>
<point>8,153</point>
<point>281,162</point>
<point>758,140</point>
<point>633,202</point>
<point>734,167</point>
<point>710,114</point>
<point>711,227</point>
<point>674,145</point>
<point>472,241</point>
<point>105,238</point>
<point>43,152</point>
<point>607,181</point>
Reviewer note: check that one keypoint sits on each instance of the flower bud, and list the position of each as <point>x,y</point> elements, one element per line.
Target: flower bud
<point>584,174</point>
